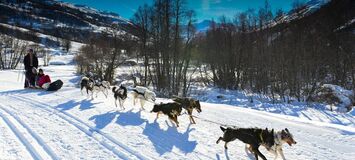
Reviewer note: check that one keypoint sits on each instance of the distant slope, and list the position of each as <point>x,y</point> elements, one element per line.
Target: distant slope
<point>312,11</point>
<point>59,19</point>
<point>336,15</point>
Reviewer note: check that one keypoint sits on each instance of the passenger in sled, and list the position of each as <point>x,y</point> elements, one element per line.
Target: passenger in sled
<point>44,82</point>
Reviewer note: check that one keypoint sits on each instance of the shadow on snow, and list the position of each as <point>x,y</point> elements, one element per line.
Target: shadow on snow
<point>130,118</point>
<point>165,140</point>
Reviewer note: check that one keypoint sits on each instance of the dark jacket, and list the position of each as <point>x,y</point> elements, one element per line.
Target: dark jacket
<point>27,62</point>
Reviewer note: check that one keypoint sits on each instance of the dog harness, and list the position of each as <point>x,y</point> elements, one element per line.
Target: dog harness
<point>277,140</point>
<point>261,136</point>
<point>138,92</point>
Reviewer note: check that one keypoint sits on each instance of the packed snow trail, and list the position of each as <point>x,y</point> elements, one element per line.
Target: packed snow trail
<point>87,129</point>
<point>24,141</point>
<point>75,127</point>
<point>45,147</point>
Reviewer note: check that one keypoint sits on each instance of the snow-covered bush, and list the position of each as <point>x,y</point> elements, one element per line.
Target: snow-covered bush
<point>338,98</point>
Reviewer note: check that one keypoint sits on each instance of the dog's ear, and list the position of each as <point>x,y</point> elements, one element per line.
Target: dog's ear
<point>287,130</point>
<point>283,132</point>
<point>272,131</point>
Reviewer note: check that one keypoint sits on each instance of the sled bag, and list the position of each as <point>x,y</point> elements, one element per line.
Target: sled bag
<point>56,85</point>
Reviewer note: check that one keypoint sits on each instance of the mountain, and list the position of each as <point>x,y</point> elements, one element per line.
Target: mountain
<point>23,19</point>
<point>326,15</point>
<point>309,9</point>
<point>302,11</point>
<point>203,25</point>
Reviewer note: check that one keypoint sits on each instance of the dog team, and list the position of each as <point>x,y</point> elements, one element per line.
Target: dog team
<point>252,137</point>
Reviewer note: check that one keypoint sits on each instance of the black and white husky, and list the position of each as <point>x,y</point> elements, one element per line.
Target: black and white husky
<point>88,84</point>
<point>280,138</point>
<point>143,94</point>
<point>120,94</point>
<point>92,87</point>
<point>103,87</point>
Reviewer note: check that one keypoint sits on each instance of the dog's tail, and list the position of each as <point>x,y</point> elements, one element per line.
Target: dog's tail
<point>114,89</point>
<point>223,129</point>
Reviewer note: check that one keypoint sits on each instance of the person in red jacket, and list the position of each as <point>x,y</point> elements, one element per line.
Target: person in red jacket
<point>43,80</point>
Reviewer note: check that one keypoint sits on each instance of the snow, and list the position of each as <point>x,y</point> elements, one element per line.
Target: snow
<point>310,7</point>
<point>68,125</point>
<point>61,60</point>
<point>315,112</point>
<point>343,95</point>
<point>350,22</point>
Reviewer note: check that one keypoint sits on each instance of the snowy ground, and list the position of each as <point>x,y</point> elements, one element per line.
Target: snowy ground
<point>36,124</point>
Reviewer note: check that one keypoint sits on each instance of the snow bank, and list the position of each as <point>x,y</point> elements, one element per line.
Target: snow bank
<point>316,112</point>
<point>337,98</point>
<point>61,60</point>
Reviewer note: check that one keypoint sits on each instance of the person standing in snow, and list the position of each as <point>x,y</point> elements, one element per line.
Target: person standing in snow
<point>31,63</point>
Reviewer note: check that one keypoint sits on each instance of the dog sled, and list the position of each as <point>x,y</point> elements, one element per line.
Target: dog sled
<point>53,86</point>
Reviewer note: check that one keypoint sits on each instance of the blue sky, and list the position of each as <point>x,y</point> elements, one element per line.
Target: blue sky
<point>205,9</point>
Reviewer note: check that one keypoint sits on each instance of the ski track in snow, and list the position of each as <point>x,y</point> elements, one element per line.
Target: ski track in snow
<point>33,134</point>
<point>12,145</point>
<point>153,131</point>
<point>88,130</point>
<point>31,149</point>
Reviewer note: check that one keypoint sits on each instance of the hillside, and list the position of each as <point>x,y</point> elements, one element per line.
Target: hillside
<point>321,14</point>
<point>58,19</point>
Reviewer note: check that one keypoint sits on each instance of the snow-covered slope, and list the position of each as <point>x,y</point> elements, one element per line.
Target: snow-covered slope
<point>60,19</point>
<point>36,124</point>
<point>305,10</point>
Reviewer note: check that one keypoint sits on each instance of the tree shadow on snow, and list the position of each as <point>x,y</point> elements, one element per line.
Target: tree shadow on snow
<point>102,120</point>
<point>130,118</point>
<point>165,140</point>
<point>75,81</point>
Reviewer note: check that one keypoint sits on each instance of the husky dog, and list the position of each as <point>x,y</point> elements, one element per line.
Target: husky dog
<point>189,105</point>
<point>143,94</point>
<point>88,84</point>
<point>103,87</point>
<point>92,87</point>
<point>120,94</point>
<point>252,136</point>
<point>280,137</point>
<point>107,86</point>
<point>172,110</point>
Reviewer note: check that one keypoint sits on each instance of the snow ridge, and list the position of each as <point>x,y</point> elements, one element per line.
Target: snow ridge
<point>19,135</point>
